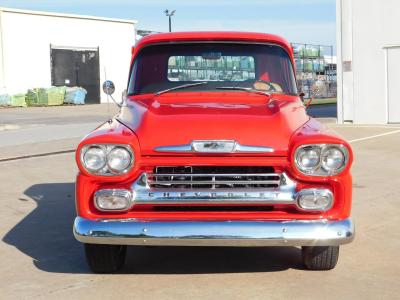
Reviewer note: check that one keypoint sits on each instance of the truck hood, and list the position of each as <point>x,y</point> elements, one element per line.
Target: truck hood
<point>250,119</point>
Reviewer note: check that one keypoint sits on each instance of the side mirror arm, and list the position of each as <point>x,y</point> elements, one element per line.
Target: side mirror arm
<point>301,95</point>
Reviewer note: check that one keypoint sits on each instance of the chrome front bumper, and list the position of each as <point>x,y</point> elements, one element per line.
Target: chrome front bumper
<point>214,233</point>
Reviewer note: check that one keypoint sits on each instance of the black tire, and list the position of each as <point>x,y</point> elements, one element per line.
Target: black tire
<point>105,258</point>
<point>320,258</point>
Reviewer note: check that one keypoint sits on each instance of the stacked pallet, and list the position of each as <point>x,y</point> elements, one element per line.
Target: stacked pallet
<point>45,97</point>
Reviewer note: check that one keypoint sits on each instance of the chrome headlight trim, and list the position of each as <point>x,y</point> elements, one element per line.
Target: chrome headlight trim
<point>319,170</point>
<point>107,148</point>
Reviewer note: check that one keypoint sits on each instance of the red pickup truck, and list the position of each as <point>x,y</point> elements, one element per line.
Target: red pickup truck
<point>212,147</point>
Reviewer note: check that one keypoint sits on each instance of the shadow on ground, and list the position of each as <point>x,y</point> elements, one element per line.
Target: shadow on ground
<point>46,236</point>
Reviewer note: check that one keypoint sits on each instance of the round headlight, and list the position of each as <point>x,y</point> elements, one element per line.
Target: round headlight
<point>308,158</point>
<point>119,159</point>
<point>333,159</point>
<point>94,159</point>
<point>321,159</point>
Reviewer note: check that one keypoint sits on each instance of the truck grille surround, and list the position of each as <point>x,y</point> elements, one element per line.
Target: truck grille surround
<point>211,177</point>
<point>214,185</point>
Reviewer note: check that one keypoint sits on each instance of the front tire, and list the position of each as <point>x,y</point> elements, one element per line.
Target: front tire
<point>105,258</point>
<point>321,257</point>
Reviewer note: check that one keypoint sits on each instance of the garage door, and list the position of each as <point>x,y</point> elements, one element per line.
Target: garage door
<point>393,84</point>
<point>77,67</point>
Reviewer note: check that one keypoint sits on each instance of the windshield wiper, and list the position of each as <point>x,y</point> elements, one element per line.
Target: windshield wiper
<point>183,86</point>
<point>246,89</point>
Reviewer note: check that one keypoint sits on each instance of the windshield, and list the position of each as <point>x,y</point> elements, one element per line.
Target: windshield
<point>216,65</point>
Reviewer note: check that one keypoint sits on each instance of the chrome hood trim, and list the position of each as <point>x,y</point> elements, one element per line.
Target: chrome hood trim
<point>214,146</point>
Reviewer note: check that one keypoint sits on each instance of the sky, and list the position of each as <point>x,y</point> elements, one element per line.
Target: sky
<point>302,21</point>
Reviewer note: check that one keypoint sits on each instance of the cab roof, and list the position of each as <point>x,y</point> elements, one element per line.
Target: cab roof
<point>214,36</point>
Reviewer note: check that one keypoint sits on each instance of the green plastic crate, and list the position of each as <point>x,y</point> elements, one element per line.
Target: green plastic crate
<point>312,52</point>
<point>18,100</point>
<point>36,96</point>
<point>308,66</point>
<point>56,95</point>
<point>32,97</point>
<point>42,97</point>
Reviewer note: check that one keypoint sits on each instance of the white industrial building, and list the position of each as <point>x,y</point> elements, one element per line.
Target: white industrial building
<point>368,52</point>
<point>41,49</point>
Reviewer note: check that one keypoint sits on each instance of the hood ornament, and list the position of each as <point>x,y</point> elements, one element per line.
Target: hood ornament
<point>215,146</point>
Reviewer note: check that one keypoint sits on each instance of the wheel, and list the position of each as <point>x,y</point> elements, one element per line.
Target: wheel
<point>105,258</point>
<point>321,257</point>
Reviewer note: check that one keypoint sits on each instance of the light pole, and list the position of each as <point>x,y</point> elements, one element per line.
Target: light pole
<point>169,14</point>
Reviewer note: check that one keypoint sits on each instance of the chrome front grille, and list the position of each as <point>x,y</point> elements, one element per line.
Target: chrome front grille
<point>213,177</point>
<point>211,185</point>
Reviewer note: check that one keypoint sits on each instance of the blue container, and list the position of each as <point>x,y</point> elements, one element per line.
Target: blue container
<point>5,100</point>
<point>75,95</point>
<point>315,65</point>
<point>80,96</point>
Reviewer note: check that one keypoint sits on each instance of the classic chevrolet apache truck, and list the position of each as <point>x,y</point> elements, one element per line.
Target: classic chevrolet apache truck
<point>212,147</point>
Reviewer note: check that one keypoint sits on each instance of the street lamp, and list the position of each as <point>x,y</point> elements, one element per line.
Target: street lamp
<point>169,14</point>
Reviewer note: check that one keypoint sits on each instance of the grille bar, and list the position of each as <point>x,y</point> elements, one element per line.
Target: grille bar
<point>212,177</point>
<point>211,174</point>
<point>215,182</point>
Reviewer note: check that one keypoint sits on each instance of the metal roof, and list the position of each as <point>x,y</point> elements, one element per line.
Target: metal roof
<point>62,15</point>
<point>214,36</point>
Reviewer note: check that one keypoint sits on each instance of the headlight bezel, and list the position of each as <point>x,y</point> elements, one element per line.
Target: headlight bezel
<point>319,170</point>
<point>107,148</point>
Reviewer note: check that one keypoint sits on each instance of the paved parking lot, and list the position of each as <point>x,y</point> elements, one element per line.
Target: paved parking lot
<point>41,259</point>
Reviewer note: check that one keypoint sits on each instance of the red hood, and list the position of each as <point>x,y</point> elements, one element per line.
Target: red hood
<point>179,118</point>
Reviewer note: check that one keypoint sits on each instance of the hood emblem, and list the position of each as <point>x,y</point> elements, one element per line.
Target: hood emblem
<point>215,146</point>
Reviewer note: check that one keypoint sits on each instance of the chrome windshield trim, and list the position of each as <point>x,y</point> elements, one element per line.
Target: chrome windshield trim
<point>214,233</point>
<point>215,146</point>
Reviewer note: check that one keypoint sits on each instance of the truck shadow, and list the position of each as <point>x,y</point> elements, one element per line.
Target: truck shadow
<point>46,236</point>
<point>46,233</point>
<point>207,260</point>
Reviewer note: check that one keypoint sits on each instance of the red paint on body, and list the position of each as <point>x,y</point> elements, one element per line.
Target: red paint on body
<point>149,121</point>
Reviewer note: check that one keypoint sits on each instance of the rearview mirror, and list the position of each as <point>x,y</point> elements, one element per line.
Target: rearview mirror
<point>108,87</point>
<point>211,55</point>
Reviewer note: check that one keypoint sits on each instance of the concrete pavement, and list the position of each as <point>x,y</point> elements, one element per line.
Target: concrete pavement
<point>56,115</point>
<point>41,259</point>
<point>47,129</point>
